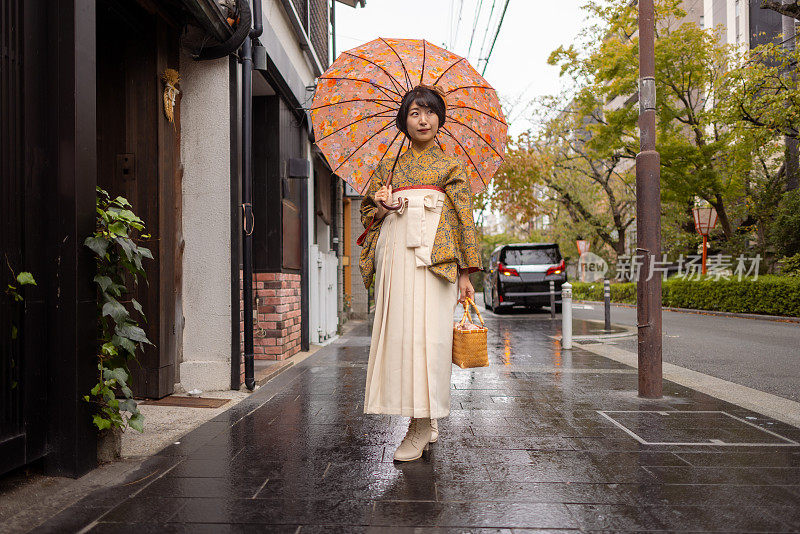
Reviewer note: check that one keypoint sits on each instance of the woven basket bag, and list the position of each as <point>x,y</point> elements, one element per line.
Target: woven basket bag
<point>469,346</point>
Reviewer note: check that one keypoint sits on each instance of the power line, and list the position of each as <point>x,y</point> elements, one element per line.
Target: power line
<point>474,26</point>
<point>458,22</point>
<point>496,33</point>
<point>486,30</point>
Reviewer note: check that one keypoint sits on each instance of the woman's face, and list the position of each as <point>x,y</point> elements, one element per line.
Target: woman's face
<point>422,124</point>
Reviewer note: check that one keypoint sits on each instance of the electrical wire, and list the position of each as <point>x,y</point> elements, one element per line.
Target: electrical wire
<point>458,22</point>
<point>485,33</point>
<point>496,33</point>
<point>474,26</point>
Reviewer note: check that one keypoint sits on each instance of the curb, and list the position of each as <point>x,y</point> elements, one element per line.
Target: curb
<point>756,316</point>
<point>630,331</point>
<point>272,373</point>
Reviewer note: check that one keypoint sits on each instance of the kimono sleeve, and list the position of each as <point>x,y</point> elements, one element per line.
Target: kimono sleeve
<point>468,256</point>
<point>368,240</point>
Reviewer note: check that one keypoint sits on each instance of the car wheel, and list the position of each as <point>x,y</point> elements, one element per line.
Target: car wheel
<point>487,302</point>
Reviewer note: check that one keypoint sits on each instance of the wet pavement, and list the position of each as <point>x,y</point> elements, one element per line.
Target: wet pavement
<point>543,439</point>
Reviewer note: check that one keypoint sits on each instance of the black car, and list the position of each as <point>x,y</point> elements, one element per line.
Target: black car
<point>519,274</point>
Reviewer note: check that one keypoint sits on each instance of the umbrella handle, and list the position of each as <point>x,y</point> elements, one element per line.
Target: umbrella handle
<point>391,207</point>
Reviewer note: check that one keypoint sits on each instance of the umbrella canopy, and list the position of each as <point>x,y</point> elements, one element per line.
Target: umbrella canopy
<point>356,101</point>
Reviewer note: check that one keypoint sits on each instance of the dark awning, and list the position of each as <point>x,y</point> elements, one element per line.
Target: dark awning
<point>210,17</point>
<point>353,3</point>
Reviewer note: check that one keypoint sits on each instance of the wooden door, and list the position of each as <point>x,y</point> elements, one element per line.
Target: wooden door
<point>137,158</point>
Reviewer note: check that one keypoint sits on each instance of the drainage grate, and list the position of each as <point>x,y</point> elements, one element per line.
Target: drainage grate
<point>187,402</point>
<point>678,427</point>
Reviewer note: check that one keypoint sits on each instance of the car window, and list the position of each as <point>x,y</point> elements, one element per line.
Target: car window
<point>532,256</point>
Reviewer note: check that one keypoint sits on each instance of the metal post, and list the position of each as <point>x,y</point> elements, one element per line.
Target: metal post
<point>552,299</point>
<point>566,316</point>
<point>248,221</point>
<point>607,302</point>
<point>705,252</point>
<point>791,150</point>
<point>247,211</point>
<point>648,212</point>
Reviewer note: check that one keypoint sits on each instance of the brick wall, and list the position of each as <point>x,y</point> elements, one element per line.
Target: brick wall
<point>276,324</point>
<point>359,303</point>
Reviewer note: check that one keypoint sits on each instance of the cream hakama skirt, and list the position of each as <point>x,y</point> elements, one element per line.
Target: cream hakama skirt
<point>410,356</point>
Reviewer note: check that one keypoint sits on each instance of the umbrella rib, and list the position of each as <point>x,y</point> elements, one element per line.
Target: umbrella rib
<point>379,161</point>
<point>383,129</point>
<point>373,116</point>
<point>501,121</point>
<point>448,70</point>
<point>379,101</point>
<point>477,135</point>
<point>445,130</point>
<point>381,87</point>
<point>489,87</point>
<point>424,53</point>
<point>402,63</point>
<point>397,158</point>
<point>391,78</point>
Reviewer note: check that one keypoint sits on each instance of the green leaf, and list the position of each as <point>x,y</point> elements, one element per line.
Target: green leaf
<point>127,246</point>
<point>116,310</point>
<point>14,332</point>
<point>117,374</point>
<point>100,422</point>
<point>108,395</point>
<point>145,252</point>
<point>98,244</point>
<point>122,201</point>
<point>126,391</point>
<point>109,349</point>
<point>96,389</point>
<point>132,332</point>
<point>116,289</point>
<point>25,278</point>
<point>86,398</point>
<point>127,405</point>
<point>118,228</point>
<point>125,343</point>
<point>137,306</point>
<point>136,422</point>
<point>103,281</point>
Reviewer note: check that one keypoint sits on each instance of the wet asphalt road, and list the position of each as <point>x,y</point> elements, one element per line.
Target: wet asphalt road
<point>543,438</point>
<point>763,355</point>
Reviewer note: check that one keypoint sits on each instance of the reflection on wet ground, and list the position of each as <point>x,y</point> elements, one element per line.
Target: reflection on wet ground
<point>541,439</point>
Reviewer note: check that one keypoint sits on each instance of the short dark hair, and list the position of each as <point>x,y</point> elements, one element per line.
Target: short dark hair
<point>423,97</point>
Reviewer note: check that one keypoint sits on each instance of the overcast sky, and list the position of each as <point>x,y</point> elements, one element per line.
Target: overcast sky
<point>517,68</point>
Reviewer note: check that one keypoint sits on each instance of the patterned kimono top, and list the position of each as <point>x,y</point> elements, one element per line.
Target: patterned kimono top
<point>455,245</point>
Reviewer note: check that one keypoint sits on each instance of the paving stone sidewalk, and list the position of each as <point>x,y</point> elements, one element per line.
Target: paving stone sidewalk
<point>542,440</point>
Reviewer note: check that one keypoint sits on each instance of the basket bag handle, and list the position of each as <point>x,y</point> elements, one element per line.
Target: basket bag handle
<point>467,303</point>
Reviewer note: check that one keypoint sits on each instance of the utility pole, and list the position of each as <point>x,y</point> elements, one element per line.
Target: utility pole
<point>791,153</point>
<point>648,213</point>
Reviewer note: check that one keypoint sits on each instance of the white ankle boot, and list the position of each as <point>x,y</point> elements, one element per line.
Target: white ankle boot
<point>434,431</point>
<point>416,440</point>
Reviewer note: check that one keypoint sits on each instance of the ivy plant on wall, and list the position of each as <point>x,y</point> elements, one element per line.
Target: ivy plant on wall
<point>119,262</point>
<point>13,292</point>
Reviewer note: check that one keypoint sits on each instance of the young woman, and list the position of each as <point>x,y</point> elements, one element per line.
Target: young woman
<point>420,255</point>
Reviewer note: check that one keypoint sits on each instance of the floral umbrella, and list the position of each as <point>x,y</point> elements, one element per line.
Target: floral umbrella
<point>356,100</point>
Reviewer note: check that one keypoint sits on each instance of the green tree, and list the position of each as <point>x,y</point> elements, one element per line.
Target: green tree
<point>690,63</point>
